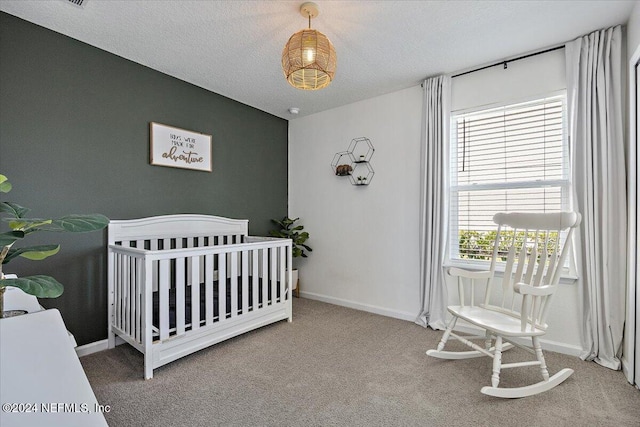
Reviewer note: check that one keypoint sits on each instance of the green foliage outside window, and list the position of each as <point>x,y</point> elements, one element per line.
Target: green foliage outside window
<point>478,245</point>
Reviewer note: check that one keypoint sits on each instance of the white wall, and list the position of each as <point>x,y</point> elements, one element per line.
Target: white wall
<point>364,238</point>
<point>633,30</point>
<point>523,79</point>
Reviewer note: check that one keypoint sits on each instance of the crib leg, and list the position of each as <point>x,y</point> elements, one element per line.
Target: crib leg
<point>148,365</point>
<point>111,338</point>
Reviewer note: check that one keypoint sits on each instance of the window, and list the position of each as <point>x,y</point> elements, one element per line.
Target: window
<point>511,158</point>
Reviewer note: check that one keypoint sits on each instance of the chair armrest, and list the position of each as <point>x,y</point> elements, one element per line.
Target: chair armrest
<point>469,274</point>
<point>538,291</point>
<point>473,276</point>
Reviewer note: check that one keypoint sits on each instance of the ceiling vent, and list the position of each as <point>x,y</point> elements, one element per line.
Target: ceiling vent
<point>79,3</point>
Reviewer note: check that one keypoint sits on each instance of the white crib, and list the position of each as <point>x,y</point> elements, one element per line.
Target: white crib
<point>166,297</point>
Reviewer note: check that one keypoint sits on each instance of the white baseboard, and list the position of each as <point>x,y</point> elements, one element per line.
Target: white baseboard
<point>402,315</point>
<point>94,347</point>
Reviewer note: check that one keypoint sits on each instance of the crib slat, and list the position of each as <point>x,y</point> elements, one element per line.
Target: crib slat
<point>274,274</point>
<point>255,278</point>
<point>126,296</point>
<point>190,244</point>
<point>180,296</point>
<point>282,258</point>
<point>234,284</point>
<point>201,273</point>
<point>120,308</point>
<point>153,245</point>
<point>163,288</point>
<point>195,293</point>
<point>208,280</point>
<point>245,281</point>
<point>131,300</point>
<point>116,289</point>
<point>138,290</point>
<point>289,249</point>
<point>132,297</point>
<point>265,276</point>
<point>222,287</point>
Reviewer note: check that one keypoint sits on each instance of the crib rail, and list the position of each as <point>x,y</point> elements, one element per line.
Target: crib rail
<point>169,292</point>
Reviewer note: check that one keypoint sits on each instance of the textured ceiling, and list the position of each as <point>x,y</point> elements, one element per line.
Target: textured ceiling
<point>233,47</point>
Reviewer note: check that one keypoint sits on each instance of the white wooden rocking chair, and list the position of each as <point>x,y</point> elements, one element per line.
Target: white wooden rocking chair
<point>534,255</point>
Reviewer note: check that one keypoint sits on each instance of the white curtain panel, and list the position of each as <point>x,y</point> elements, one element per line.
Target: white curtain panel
<point>594,82</point>
<point>433,201</point>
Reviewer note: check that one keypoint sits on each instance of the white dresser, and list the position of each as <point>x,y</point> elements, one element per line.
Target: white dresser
<point>42,382</point>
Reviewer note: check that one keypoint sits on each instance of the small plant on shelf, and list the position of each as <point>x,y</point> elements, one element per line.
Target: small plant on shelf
<point>20,227</point>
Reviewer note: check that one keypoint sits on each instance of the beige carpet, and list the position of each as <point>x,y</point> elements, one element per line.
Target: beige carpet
<point>334,366</point>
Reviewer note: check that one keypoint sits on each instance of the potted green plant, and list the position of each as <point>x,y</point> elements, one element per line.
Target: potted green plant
<point>288,230</point>
<point>40,286</point>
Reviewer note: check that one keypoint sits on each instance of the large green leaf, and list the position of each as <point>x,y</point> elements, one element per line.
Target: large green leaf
<point>29,224</point>
<point>39,286</point>
<point>10,237</point>
<point>81,223</point>
<point>5,186</point>
<point>14,209</point>
<point>34,253</point>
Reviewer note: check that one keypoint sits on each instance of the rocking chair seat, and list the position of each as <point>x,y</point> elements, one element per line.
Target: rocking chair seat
<point>494,321</point>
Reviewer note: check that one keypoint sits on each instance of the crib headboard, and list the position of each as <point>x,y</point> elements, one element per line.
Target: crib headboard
<point>175,226</point>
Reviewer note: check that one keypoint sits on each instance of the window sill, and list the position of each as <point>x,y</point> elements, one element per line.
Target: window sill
<point>567,277</point>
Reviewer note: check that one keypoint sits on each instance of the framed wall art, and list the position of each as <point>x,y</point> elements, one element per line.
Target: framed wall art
<point>180,148</point>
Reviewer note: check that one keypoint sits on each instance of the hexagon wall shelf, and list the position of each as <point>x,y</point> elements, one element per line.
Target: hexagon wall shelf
<point>354,162</point>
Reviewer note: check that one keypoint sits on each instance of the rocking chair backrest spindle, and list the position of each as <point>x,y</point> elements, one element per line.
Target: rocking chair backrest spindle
<point>534,252</point>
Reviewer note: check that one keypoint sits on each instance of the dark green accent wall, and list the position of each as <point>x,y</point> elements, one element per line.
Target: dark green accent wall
<point>74,138</point>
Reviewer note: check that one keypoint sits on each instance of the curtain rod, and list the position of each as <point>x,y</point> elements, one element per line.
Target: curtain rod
<point>504,63</point>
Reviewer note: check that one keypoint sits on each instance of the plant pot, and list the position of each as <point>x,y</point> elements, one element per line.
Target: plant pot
<point>8,313</point>
<point>294,282</point>
<point>13,313</point>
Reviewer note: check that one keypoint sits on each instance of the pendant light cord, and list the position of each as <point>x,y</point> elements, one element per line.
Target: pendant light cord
<point>309,21</point>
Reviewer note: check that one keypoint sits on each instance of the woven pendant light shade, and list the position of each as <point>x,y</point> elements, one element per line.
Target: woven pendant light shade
<point>309,59</point>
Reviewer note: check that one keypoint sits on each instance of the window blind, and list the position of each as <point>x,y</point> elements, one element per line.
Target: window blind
<point>511,158</point>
